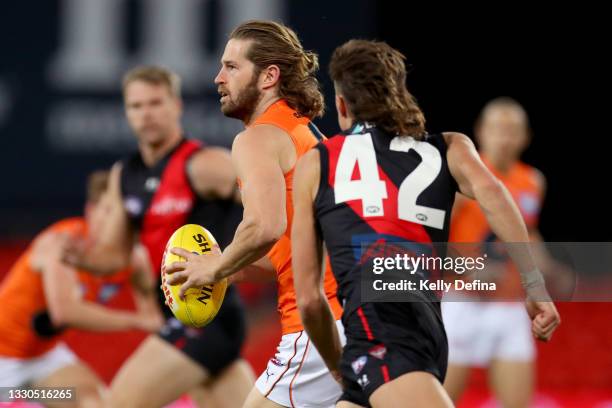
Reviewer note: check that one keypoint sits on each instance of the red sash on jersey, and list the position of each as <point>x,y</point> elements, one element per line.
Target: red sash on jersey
<point>171,204</point>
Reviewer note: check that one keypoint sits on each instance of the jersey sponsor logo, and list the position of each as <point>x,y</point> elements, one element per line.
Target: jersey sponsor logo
<point>268,374</point>
<point>133,205</point>
<point>373,209</point>
<point>277,361</point>
<point>172,205</point>
<point>152,184</point>
<point>529,204</point>
<point>271,369</point>
<point>379,351</point>
<point>363,381</point>
<point>421,217</point>
<point>358,364</point>
<point>107,292</point>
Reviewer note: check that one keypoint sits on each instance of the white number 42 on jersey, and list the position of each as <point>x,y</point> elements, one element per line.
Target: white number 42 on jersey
<point>371,190</point>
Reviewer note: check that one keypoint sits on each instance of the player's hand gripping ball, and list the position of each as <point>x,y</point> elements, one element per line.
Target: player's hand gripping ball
<point>200,305</point>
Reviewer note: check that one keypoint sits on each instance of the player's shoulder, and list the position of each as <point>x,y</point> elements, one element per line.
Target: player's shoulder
<point>539,178</point>
<point>458,138</point>
<point>210,153</point>
<point>260,138</point>
<point>457,145</point>
<point>309,160</point>
<point>532,174</point>
<point>209,161</point>
<point>70,225</point>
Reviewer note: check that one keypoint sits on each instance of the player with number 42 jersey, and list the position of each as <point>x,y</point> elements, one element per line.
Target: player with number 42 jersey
<point>382,188</point>
<point>385,189</point>
<point>379,191</point>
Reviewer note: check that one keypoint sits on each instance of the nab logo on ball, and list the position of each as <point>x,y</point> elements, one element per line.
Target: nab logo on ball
<point>200,305</point>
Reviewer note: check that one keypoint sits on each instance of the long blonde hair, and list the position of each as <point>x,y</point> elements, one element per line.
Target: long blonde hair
<point>277,44</point>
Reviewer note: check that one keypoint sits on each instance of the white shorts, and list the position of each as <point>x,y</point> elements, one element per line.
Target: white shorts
<point>17,372</point>
<point>297,376</point>
<point>479,332</point>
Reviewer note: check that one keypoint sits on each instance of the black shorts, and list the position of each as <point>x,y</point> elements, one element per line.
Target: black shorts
<point>216,345</point>
<point>387,340</point>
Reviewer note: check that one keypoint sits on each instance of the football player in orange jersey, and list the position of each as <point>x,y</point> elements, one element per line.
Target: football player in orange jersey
<point>267,80</point>
<point>41,296</point>
<point>497,335</point>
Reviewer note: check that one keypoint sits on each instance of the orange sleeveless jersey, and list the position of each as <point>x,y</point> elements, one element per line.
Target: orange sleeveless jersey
<point>22,297</point>
<point>469,224</point>
<point>284,117</point>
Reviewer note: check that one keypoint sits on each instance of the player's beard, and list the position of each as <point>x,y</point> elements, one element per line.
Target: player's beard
<point>245,103</point>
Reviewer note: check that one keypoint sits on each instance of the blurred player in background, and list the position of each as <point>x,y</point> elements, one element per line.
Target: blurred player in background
<point>497,335</point>
<point>169,182</point>
<point>385,179</point>
<point>41,297</point>
<point>267,80</point>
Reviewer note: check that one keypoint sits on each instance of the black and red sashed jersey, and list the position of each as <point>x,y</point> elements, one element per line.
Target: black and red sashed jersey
<point>378,189</point>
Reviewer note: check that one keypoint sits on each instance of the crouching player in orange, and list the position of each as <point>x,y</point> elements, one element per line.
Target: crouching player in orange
<point>41,297</point>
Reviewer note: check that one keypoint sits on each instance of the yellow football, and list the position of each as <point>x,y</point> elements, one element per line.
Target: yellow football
<point>200,305</point>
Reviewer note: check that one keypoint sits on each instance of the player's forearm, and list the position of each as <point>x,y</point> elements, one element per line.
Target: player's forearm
<point>506,222</point>
<point>142,283</point>
<point>254,273</point>
<point>320,325</point>
<point>101,260</point>
<point>252,241</point>
<point>543,258</point>
<point>501,212</point>
<point>94,317</point>
<point>146,303</point>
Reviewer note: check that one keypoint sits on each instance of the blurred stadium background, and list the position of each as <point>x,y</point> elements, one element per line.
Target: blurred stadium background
<point>61,117</point>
